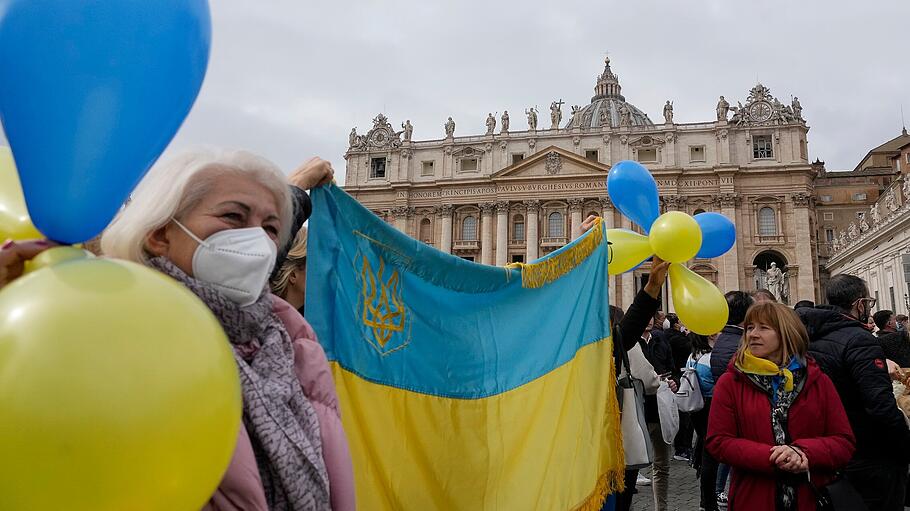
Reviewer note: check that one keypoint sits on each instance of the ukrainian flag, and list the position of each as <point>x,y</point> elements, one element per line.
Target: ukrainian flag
<point>464,386</point>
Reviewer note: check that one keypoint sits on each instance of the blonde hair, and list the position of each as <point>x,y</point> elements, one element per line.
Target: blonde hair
<point>794,339</point>
<point>172,188</point>
<point>296,260</point>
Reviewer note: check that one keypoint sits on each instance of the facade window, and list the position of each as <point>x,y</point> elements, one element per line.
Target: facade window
<point>647,155</point>
<point>859,196</point>
<point>591,154</point>
<point>517,157</point>
<point>860,215</point>
<point>696,153</point>
<point>518,258</point>
<point>761,147</point>
<point>377,168</point>
<point>469,165</point>
<point>829,235</point>
<point>697,211</point>
<point>427,168</point>
<point>828,216</point>
<point>767,222</point>
<point>555,225</point>
<point>908,158</point>
<point>891,292</point>
<point>469,228</point>
<point>825,198</point>
<point>426,231</point>
<point>518,228</point>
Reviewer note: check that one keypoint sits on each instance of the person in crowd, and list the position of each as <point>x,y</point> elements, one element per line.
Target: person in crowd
<point>804,303</point>
<point>213,221</point>
<point>763,295</point>
<point>704,463</point>
<point>851,356</point>
<point>901,322</point>
<point>894,343</point>
<point>775,417</point>
<point>728,340</point>
<point>681,350</point>
<point>726,344</point>
<point>657,351</point>
<point>289,282</point>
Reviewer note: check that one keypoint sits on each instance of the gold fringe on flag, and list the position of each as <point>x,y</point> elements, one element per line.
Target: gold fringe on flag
<point>540,273</point>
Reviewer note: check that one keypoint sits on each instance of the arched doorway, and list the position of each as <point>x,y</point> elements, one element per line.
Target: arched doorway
<point>770,272</point>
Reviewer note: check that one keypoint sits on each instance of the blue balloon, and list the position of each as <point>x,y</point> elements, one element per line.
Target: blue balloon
<point>92,93</point>
<point>634,192</point>
<point>718,234</point>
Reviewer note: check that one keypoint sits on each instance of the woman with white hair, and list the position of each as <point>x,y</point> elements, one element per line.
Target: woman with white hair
<point>213,221</point>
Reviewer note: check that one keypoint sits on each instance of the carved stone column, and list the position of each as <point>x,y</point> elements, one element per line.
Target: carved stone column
<point>486,232</point>
<point>802,224</point>
<point>401,218</point>
<point>575,206</point>
<point>533,243</point>
<point>729,261</point>
<point>502,233</point>
<point>444,213</point>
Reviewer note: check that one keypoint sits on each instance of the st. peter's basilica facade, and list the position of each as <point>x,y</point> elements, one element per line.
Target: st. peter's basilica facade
<point>516,193</point>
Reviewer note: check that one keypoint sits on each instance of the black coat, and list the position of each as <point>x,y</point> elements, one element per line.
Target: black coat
<point>680,348</point>
<point>896,347</point>
<point>852,357</point>
<point>725,347</point>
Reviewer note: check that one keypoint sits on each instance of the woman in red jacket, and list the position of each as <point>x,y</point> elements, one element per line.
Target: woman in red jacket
<point>775,416</point>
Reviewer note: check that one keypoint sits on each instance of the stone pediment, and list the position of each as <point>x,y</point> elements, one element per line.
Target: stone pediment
<point>553,162</point>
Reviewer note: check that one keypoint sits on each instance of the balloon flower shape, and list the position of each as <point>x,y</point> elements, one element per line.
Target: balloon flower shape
<point>674,237</point>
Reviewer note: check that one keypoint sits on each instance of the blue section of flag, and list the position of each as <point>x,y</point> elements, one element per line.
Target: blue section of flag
<point>398,312</point>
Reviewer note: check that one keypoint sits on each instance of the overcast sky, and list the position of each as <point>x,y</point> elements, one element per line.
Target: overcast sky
<point>289,78</point>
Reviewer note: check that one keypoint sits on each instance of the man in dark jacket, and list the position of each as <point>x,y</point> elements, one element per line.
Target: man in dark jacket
<point>851,356</point>
<point>738,302</point>
<point>894,343</point>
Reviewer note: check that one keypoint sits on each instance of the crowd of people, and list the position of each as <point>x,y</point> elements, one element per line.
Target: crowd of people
<point>798,403</point>
<point>801,404</point>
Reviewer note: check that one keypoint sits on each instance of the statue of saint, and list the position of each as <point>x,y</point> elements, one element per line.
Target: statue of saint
<point>722,109</point>
<point>890,201</point>
<point>555,114</point>
<point>775,281</point>
<point>408,130</point>
<point>505,122</point>
<point>797,109</point>
<point>450,128</point>
<point>876,216</point>
<point>668,112</point>
<point>491,123</point>
<point>906,188</point>
<point>532,119</point>
<point>352,138</point>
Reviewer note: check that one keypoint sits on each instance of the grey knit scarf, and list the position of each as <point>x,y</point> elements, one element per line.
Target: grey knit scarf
<point>281,421</point>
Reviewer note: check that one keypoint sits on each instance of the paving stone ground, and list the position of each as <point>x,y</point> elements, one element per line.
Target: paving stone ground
<point>683,494</point>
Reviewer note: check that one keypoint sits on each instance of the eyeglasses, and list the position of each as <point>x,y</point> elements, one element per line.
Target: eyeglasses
<point>870,301</point>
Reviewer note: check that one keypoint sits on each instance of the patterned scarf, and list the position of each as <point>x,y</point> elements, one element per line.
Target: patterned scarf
<point>281,421</point>
<point>793,378</point>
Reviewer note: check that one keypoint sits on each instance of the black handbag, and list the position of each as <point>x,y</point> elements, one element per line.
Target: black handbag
<point>838,495</point>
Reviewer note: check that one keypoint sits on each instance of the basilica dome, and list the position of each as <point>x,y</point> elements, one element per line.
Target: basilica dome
<point>608,106</point>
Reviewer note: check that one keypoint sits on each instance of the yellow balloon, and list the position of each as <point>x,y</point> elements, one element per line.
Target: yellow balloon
<point>54,256</point>
<point>698,302</point>
<point>14,220</point>
<point>628,249</point>
<point>675,237</point>
<point>118,391</point>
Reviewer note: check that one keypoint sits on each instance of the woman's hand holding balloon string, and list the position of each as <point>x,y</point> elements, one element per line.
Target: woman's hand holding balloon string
<point>14,254</point>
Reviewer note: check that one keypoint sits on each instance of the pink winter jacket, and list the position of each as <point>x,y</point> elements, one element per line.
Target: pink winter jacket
<point>241,488</point>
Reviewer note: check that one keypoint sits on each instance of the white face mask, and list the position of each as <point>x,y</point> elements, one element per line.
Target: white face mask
<point>236,261</point>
